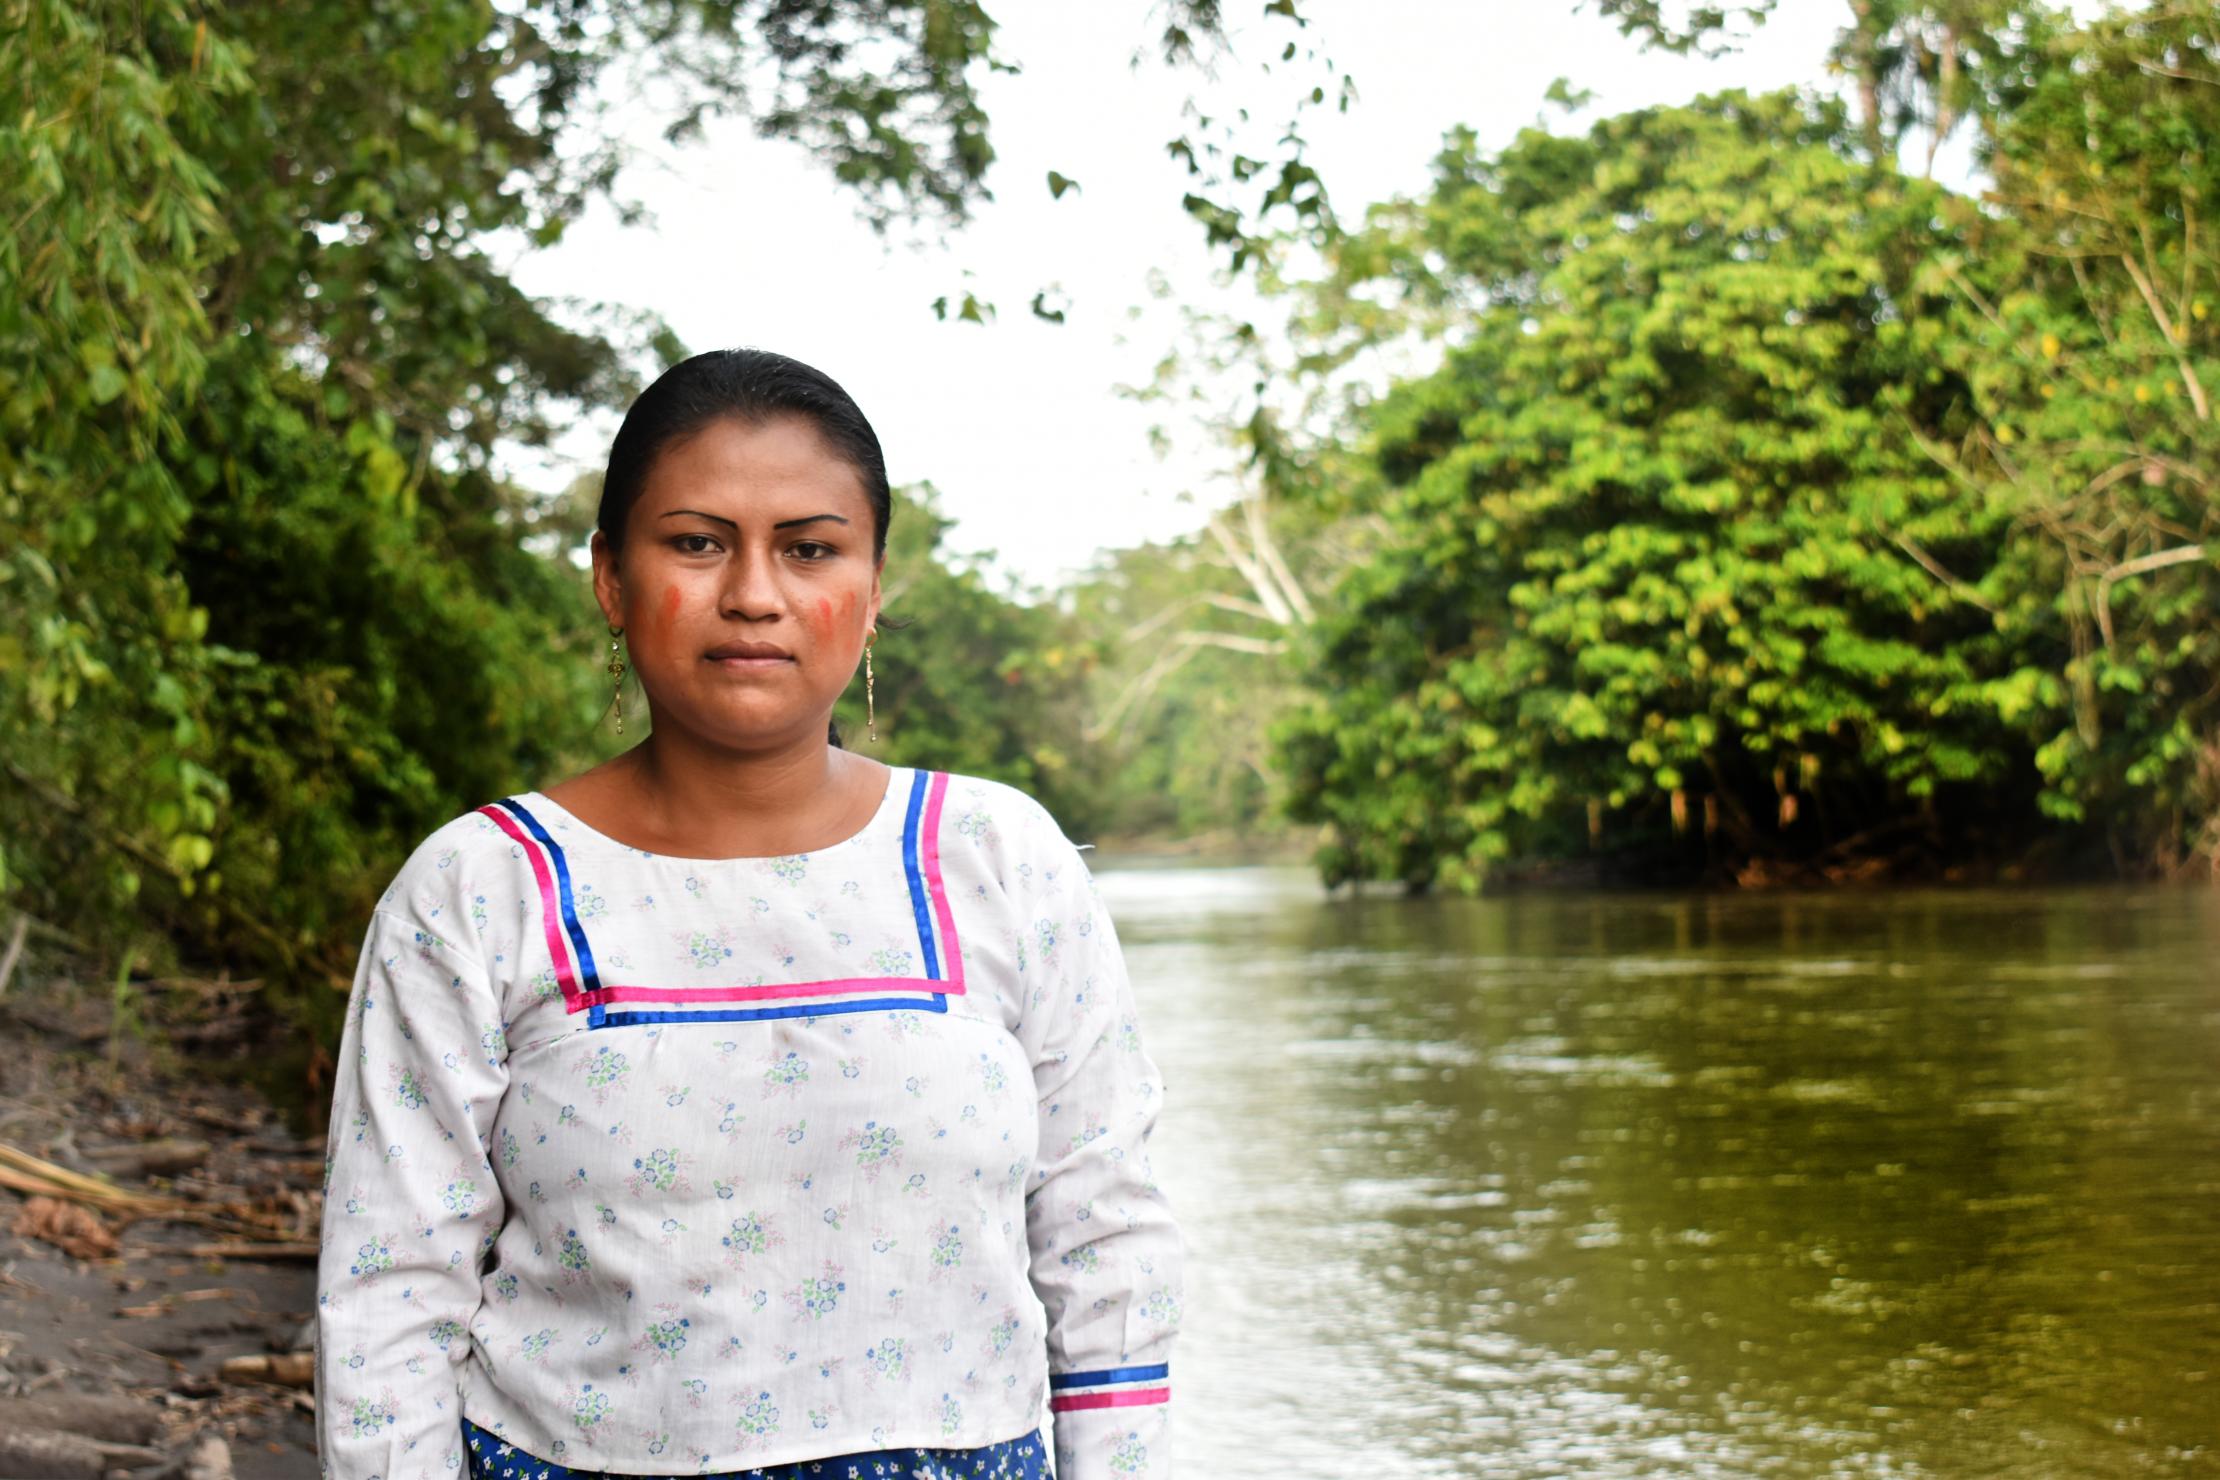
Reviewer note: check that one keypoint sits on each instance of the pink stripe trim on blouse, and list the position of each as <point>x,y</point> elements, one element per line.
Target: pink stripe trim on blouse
<point>1130,1398</point>
<point>933,885</point>
<point>750,994</point>
<point>951,986</point>
<point>549,915</point>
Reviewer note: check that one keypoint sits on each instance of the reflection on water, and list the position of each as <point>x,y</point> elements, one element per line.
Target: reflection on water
<point>1912,1184</point>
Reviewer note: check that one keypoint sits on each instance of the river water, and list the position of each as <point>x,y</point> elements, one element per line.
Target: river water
<point>1888,1184</point>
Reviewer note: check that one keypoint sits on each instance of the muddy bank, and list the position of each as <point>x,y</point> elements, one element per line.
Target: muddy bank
<point>157,1228</point>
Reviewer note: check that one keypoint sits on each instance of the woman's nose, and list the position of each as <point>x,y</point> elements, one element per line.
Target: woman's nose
<point>751,586</point>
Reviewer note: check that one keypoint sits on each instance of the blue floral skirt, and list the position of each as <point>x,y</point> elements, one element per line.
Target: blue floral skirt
<point>492,1458</point>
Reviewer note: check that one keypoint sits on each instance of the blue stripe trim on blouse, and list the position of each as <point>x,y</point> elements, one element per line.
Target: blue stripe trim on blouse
<point>588,977</point>
<point>936,1002</point>
<point>1109,1374</point>
<point>918,903</point>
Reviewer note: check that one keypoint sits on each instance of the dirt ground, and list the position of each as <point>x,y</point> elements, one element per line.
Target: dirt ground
<point>192,1246</point>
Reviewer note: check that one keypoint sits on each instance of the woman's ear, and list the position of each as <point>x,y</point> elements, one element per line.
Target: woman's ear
<point>608,589</point>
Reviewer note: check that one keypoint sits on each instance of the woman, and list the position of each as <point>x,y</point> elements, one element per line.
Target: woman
<point>743,1105</point>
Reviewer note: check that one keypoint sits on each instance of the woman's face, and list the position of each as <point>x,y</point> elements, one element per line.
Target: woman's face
<point>746,584</point>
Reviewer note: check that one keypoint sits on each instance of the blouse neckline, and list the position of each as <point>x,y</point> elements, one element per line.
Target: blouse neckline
<point>889,804</point>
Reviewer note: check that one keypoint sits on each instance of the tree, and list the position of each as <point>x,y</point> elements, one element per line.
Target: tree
<point>1194,637</point>
<point>2093,369</point>
<point>970,680</point>
<point>1914,65</point>
<point>1186,671</point>
<point>1656,570</point>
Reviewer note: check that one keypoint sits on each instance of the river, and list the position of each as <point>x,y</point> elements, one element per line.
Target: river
<point>1897,1184</point>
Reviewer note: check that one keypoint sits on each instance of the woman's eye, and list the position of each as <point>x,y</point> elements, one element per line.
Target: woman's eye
<point>811,551</point>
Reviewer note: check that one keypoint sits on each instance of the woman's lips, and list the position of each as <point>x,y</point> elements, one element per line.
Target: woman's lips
<point>747,657</point>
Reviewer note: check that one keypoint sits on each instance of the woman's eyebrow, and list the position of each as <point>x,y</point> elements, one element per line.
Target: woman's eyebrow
<point>734,524</point>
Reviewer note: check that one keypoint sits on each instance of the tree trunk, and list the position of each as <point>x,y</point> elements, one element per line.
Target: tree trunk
<point>1864,49</point>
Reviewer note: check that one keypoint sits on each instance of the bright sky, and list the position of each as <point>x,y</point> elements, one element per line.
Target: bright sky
<point>1018,424</point>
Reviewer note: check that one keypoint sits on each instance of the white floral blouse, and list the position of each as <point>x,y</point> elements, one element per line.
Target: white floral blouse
<point>665,1166</point>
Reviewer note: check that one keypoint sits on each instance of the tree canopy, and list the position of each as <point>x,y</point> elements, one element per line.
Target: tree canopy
<point>1771,506</point>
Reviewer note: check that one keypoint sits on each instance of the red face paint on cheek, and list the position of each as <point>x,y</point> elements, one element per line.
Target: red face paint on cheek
<point>653,626</point>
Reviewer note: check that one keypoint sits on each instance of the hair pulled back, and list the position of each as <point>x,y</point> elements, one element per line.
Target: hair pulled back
<point>755,386</point>
<point>752,385</point>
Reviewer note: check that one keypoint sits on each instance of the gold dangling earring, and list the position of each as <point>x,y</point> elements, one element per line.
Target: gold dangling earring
<point>616,673</point>
<point>870,715</point>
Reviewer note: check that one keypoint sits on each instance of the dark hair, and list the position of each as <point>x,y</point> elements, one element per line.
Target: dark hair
<point>753,385</point>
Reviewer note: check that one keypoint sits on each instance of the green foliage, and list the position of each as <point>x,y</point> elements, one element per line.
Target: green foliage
<point>1776,508</point>
<point>1190,640</point>
<point>2093,364</point>
<point>377,661</point>
<point>1180,717</point>
<point>1709,29</point>
<point>103,335</point>
<point>1913,64</point>
<point>1652,516</point>
<point>968,679</point>
<point>1767,504</point>
<point>1249,185</point>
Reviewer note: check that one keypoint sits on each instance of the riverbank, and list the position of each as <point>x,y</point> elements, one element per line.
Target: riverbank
<point>1212,847</point>
<point>157,1236</point>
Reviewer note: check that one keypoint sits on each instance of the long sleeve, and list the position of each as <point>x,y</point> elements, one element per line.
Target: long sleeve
<point>410,1201</point>
<point>1106,1254</point>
